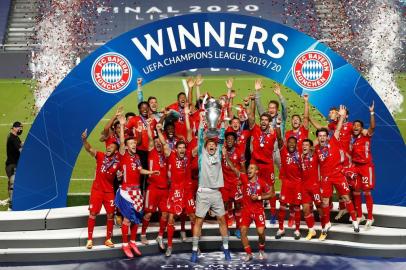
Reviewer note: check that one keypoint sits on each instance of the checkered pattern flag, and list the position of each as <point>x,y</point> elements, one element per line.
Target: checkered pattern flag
<point>137,199</point>
<point>312,70</point>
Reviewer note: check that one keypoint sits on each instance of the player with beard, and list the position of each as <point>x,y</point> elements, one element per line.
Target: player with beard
<point>242,135</point>
<point>291,179</point>
<point>301,132</point>
<point>102,192</point>
<point>363,165</point>
<point>263,140</point>
<point>331,157</point>
<point>254,191</point>
<point>141,120</point>
<point>129,197</point>
<point>311,186</point>
<point>179,109</point>
<point>230,192</point>
<point>156,196</point>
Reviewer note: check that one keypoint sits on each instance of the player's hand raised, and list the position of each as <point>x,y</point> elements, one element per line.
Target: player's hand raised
<point>119,111</point>
<point>139,81</point>
<point>229,83</point>
<point>159,126</point>
<point>372,107</point>
<point>199,80</point>
<point>258,84</point>
<point>306,97</point>
<point>121,119</point>
<point>342,111</point>
<point>84,135</point>
<point>277,90</point>
<point>190,82</point>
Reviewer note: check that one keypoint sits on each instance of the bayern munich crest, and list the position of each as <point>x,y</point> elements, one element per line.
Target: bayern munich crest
<point>312,70</point>
<point>111,72</point>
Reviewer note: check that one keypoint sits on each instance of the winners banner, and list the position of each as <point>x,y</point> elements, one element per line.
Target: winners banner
<point>202,40</point>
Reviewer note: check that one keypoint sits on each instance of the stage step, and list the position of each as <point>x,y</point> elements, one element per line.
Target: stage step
<point>207,243</point>
<point>76,217</point>
<point>78,236</point>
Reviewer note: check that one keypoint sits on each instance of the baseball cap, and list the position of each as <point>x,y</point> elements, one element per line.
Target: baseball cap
<point>17,124</point>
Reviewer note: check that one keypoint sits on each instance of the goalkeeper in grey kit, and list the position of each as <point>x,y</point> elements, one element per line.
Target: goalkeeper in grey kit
<point>208,196</point>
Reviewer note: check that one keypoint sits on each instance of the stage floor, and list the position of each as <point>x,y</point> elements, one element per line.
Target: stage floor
<point>214,260</point>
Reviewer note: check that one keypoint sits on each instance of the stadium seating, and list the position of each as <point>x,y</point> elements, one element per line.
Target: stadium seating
<point>4,10</point>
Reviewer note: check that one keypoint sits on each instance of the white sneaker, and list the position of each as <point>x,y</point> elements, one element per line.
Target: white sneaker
<point>144,240</point>
<point>279,234</point>
<point>369,224</point>
<point>355,224</point>
<point>247,258</point>
<point>261,255</point>
<point>183,237</point>
<point>341,213</point>
<point>160,242</point>
<point>168,252</point>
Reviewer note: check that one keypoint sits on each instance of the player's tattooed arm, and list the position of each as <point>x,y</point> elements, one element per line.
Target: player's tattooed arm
<point>343,113</point>
<point>189,133</point>
<point>107,128</point>
<point>251,115</point>
<point>199,82</point>
<point>372,119</point>
<point>121,119</point>
<point>277,91</point>
<point>306,111</point>
<point>167,149</point>
<point>87,145</point>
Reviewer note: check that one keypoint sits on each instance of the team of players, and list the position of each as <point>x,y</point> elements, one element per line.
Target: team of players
<point>163,146</point>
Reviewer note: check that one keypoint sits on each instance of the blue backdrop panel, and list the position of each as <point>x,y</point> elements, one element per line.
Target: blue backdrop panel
<point>53,144</point>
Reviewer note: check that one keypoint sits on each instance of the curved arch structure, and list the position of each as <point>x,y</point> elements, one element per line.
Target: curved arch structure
<point>270,50</point>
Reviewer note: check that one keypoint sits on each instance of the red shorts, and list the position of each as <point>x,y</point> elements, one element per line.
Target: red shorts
<point>266,172</point>
<point>311,193</point>
<point>99,198</point>
<point>291,192</point>
<point>365,179</point>
<point>230,194</point>
<point>180,202</point>
<point>155,199</point>
<point>339,183</point>
<point>247,217</point>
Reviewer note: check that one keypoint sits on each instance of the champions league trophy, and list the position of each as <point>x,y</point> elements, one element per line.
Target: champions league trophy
<point>213,112</point>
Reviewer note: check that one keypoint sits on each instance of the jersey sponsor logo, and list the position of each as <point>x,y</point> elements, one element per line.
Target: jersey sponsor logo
<point>111,72</point>
<point>312,70</point>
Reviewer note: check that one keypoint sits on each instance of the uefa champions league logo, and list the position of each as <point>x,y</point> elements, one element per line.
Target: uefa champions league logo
<point>111,72</point>
<point>312,70</point>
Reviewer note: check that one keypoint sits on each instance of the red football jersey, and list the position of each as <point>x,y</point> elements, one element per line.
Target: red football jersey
<point>157,162</point>
<point>242,138</point>
<point>361,149</point>
<point>131,168</point>
<point>262,145</point>
<point>330,158</point>
<point>236,157</point>
<point>345,134</point>
<point>180,124</point>
<point>310,168</point>
<point>194,163</point>
<point>249,188</point>
<point>300,135</point>
<point>106,169</point>
<point>134,123</point>
<point>290,165</point>
<point>179,170</point>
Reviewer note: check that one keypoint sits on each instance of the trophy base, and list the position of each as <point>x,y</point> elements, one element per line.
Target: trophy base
<point>212,133</point>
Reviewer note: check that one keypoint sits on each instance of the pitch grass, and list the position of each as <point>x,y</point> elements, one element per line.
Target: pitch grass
<point>16,103</point>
